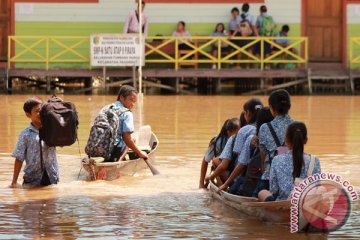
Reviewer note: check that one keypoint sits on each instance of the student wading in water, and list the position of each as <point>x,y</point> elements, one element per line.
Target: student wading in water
<point>38,171</point>
<point>126,101</point>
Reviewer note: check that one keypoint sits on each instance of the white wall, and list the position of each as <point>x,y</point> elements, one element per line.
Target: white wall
<point>284,11</point>
<point>353,13</point>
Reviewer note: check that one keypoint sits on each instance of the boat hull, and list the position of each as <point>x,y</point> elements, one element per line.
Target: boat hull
<point>109,171</point>
<point>275,212</point>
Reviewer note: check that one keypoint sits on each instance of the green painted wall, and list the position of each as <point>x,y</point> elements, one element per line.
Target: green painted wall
<point>354,31</point>
<point>85,29</point>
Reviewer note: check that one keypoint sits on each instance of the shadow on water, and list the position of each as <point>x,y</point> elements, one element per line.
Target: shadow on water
<point>163,216</point>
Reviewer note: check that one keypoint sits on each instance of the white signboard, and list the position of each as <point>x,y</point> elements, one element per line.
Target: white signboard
<point>116,50</point>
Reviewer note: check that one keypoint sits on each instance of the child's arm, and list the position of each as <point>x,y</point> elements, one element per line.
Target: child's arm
<point>204,166</point>
<point>130,143</point>
<point>17,168</point>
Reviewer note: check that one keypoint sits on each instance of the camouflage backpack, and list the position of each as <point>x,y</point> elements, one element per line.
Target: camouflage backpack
<point>104,131</point>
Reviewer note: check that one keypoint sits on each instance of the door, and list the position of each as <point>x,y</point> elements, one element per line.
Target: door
<point>324,22</point>
<point>4,27</point>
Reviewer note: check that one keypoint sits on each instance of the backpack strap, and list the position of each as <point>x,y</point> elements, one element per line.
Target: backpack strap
<point>273,133</point>
<point>311,165</point>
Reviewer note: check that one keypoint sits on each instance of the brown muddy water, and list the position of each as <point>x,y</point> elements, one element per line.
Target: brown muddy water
<point>168,205</point>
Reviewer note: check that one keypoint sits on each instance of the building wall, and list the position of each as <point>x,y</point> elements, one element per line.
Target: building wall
<point>353,27</point>
<point>109,15</point>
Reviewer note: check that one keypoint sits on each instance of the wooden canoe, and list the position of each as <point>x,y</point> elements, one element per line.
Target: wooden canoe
<point>96,169</point>
<point>275,212</point>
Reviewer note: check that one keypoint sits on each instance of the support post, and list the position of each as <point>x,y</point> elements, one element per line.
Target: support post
<point>177,85</point>
<point>8,82</point>
<point>134,77</point>
<point>104,79</point>
<point>48,85</point>
<point>352,85</point>
<point>309,81</point>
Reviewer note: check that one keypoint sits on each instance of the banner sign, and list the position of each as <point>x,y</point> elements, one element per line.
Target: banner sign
<point>115,50</point>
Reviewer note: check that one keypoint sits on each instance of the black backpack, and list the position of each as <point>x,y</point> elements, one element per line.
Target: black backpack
<point>59,121</point>
<point>252,174</point>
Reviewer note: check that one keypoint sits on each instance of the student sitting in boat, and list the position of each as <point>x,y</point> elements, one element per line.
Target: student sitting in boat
<point>216,146</point>
<point>250,161</point>
<point>272,135</point>
<point>290,168</point>
<point>234,147</point>
<point>126,101</point>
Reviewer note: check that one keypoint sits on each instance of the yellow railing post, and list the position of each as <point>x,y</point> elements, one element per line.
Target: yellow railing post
<point>219,41</point>
<point>262,53</point>
<point>351,53</point>
<point>176,54</point>
<point>9,52</point>
<point>47,53</point>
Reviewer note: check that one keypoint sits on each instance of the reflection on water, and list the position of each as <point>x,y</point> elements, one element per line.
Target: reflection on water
<point>168,205</point>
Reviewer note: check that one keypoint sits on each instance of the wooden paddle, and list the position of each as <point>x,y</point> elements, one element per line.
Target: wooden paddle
<point>144,144</point>
<point>153,170</point>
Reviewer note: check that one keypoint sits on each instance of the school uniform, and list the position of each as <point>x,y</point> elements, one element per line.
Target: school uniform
<point>28,149</point>
<point>126,125</point>
<point>245,155</point>
<point>182,45</point>
<point>248,17</point>
<point>242,137</point>
<point>241,150</point>
<point>233,25</point>
<point>281,179</point>
<point>227,152</point>
<point>211,153</point>
<point>267,142</point>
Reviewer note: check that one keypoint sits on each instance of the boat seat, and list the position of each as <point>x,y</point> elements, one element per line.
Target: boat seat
<point>143,137</point>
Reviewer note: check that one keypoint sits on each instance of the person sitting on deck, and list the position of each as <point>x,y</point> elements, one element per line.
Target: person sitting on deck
<point>236,145</point>
<point>272,135</point>
<point>182,32</point>
<point>126,101</point>
<point>290,168</point>
<point>216,146</point>
<point>283,41</point>
<point>40,170</point>
<point>219,32</point>
<point>132,21</point>
<point>233,21</point>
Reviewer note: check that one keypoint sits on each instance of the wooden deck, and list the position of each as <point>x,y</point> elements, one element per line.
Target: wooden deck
<point>309,79</point>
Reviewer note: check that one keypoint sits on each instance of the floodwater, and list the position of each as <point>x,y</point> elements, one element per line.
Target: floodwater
<point>168,205</point>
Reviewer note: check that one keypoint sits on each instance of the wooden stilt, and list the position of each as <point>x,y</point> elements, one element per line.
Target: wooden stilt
<point>352,85</point>
<point>48,85</point>
<point>309,81</point>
